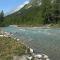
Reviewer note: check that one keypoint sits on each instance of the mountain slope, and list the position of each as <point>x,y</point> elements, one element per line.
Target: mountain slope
<point>36,13</point>
<point>27,15</point>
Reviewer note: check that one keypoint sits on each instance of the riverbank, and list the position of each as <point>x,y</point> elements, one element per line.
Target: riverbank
<point>41,40</point>
<point>39,26</point>
<point>42,26</point>
<point>10,47</point>
<point>14,49</point>
<point>46,26</point>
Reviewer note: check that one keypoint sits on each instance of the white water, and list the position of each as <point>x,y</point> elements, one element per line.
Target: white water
<point>45,41</point>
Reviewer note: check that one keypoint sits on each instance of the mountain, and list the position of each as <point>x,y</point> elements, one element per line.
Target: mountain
<point>16,8</point>
<point>29,15</point>
<point>35,2</point>
<point>35,13</point>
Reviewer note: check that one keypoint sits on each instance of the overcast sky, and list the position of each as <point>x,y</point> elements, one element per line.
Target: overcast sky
<point>8,5</point>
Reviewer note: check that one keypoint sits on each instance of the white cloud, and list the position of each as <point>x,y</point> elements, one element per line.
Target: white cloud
<point>17,8</point>
<point>20,6</point>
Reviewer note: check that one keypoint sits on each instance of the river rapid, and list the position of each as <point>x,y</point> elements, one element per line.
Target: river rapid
<point>42,40</point>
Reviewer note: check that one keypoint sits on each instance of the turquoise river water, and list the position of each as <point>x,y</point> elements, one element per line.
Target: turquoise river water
<point>42,40</point>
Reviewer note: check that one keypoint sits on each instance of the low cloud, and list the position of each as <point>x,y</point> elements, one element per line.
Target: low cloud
<point>20,6</point>
<point>17,8</point>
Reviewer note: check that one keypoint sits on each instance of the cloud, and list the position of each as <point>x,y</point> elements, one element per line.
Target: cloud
<point>17,8</point>
<point>20,6</point>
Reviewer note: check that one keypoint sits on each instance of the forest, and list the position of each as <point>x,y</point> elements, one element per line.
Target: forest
<point>35,13</point>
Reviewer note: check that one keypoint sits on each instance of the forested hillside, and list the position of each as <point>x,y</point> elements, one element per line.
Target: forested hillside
<point>37,12</point>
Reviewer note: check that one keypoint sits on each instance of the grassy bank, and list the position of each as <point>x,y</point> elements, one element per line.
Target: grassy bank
<point>10,47</point>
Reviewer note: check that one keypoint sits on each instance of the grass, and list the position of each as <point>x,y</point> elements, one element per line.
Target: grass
<point>10,47</point>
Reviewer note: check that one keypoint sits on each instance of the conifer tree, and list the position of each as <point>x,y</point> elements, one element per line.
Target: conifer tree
<point>1,18</point>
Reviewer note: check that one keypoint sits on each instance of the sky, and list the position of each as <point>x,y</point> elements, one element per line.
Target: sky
<point>12,5</point>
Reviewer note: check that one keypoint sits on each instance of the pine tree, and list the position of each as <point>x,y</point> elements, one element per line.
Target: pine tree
<point>1,18</point>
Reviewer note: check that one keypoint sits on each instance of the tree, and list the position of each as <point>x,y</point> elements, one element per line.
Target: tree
<point>1,17</point>
<point>46,10</point>
<point>57,10</point>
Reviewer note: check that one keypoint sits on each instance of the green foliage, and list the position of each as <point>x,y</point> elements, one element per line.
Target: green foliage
<point>1,18</point>
<point>31,16</point>
<point>34,14</point>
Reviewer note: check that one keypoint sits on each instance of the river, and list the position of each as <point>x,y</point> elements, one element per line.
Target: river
<point>42,40</point>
